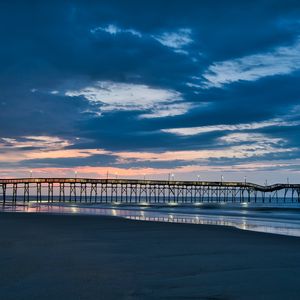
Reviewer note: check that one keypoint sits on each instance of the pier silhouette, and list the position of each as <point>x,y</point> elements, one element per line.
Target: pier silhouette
<point>26,190</point>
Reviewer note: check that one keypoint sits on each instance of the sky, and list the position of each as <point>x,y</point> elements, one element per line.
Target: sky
<point>198,89</point>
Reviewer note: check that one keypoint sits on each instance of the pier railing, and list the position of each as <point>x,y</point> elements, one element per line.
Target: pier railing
<point>87,190</point>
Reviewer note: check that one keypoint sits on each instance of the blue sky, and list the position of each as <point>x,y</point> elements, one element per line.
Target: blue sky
<point>144,87</point>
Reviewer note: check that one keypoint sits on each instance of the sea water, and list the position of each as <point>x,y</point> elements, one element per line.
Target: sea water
<point>275,219</point>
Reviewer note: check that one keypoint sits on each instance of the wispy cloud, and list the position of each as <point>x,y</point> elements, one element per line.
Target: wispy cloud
<point>244,137</point>
<point>187,172</point>
<point>176,39</point>
<point>47,149</point>
<point>280,61</point>
<point>41,147</point>
<point>257,145</point>
<point>113,29</point>
<point>133,97</point>
<point>185,131</point>
<point>38,142</point>
<point>252,149</point>
<point>167,110</point>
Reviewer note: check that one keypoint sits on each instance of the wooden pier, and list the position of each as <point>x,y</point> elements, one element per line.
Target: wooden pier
<point>142,191</point>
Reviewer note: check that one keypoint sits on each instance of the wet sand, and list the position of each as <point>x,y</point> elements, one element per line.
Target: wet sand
<point>91,257</point>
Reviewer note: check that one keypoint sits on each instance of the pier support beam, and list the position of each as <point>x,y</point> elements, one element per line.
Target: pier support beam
<point>26,192</point>
<point>3,193</point>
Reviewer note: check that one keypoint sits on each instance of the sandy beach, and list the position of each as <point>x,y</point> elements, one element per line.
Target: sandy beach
<point>91,257</point>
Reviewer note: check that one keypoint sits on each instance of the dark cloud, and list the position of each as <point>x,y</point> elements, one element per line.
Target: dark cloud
<point>99,160</point>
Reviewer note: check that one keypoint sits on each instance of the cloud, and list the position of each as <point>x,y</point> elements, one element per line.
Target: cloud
<point>186,172</point>
<point>132,97</point>
<point>280,61</point>
<point>236,127</point>
<point>113,30</point>
<point>167,110</point>
<point>125,43</point>
<point>39,142</point>
<point>253,149</point>
<point>41,147</point>
<point>175,40</point>
<point>48,150</point>
<point>235,152</point>
<point>242,137</point>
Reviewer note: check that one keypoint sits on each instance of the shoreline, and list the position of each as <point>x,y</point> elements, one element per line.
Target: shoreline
<point>47,256</point>
<point>282,222</point>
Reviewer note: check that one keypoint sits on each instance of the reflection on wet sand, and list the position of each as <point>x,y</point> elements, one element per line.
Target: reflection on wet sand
<point>269,224</point>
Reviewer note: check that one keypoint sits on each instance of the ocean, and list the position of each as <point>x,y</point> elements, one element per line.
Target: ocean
<point>272,218</point>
